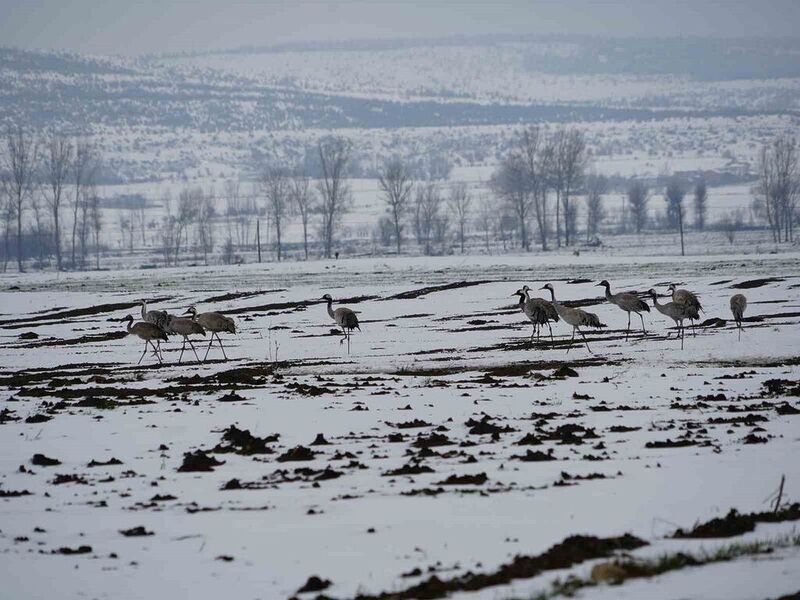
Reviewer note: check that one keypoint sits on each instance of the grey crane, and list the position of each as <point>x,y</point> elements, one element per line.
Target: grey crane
<point>159,318</point>
<point>738,306</point>
<point>574,316</point>
<point>185,327</point>
<point>147,332</point>
<point>216,324</point>
<point>538,310</point>
<point>674,310</point>
<point>688,299</point>
<point>344,317</point>
<point>627,302</point>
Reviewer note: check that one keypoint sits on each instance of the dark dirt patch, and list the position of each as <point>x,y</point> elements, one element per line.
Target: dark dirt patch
<point>40,460</point>
<point>435,288</point>
<point>238,296</point>
<point>39,418</point>
<point>431,441</point>
<point>14,493</point>
<point>80,312</point>
<point>320,440</point>
<point>781,387</point>
<point>241,441</point>
<point>298,453</point>
<point>314,584</point>
<point>231,397</point>
<point>72,551</point>
<point>107,463</point>
<point>573,550</point>
<point>670,444</point>
<point>535,456</point>
<point>198,461</point>
<point>477,479</point>
<point>300,305</point>
<point>84,339</point>
<point>307,389</point>
<point>409,469</point>
<point>756,283</point>
<point>139,531</point>
<point>735,523</point>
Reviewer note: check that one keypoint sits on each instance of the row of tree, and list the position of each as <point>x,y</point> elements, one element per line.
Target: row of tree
<point>52,176</point>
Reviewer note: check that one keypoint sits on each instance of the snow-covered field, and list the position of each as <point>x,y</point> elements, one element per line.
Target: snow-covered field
<point>441,382</point>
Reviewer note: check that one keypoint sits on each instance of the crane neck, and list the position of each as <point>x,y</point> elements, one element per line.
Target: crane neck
<point>552,295</point>
<point>330,308</point>
<point>144,308</point>
<point>609,295</point>
<point>129,325</point>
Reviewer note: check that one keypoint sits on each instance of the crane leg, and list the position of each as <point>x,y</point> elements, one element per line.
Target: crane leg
<point>193,350</point>
<point>552,340</point>
<point>209,346</point>
<point>143,353</point>
<point>628,328</point>
<point>183,345</point>
<point>642,318</point>
<point>219,340</point>
<point>694,331</point>
<point>585,341</point>
<point>571,340</point>
<point>155,351</point>
<point>682,332</point>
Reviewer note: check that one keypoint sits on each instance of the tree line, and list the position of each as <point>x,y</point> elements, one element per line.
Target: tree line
<point>53,178</point>
<point>542,192</point>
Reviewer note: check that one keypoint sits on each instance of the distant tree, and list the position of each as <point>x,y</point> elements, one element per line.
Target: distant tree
<point>596,186</point>
<point>95,221</point>
<point>7,216</point>
<point>40,232</point>
<point>638,198</point>
<point>510,183</point>
<point>303,201</point>
<point>486,218</point>
<point>537,154</point>
<point>395,182</point>
<point>204,213</point>
<point>188,202</point>
<point>57,167</point>
<point>731,224</point>
<point>427,215</point>
<point>460,202</point>
<point>778,188</point>
<point>84,166</point>
<point>276,184</point>
<point>567,169</point>
<point>21,162</point>
<point>700,204</point>
<point>674,196</point>
<point>334,191</point>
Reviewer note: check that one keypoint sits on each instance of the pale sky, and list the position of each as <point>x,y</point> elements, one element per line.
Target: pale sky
<point>147,26</point>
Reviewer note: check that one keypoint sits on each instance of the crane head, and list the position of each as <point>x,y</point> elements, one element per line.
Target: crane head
<point>547,286</point>
<point>191,311</point>
<point>672,287</point>
<point>652,292</point>
<point>327,297</point>
<point>604,284</point>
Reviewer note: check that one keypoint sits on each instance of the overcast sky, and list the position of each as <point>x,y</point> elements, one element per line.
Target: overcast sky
<point>146,26</point>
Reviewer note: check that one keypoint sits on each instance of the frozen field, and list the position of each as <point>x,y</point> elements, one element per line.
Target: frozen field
<point>441,446</point>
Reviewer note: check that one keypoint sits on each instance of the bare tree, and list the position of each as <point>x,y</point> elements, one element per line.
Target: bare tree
<point>95,221</point>
<point>674,195</point>
<point>205,211</point>
<point>334,156</point>
<point>427,215</point>
<point>39,229</point>
<point>778,188</point>
<point>700,204</point>
<point>731,224</point>
<point>83,170</point>
<point>276,184</point>
<point>460,201</point>
<point>7,215</point>
<point>486,218</point>
<point>509,182</point>
<point>638,198</point>
<point>188,202</point>
<point>57,167</point>
<point>303,201</point>
<point>596,186</point>
<point>21,159</point>
<point>568,165</point>
<point>395,183</point>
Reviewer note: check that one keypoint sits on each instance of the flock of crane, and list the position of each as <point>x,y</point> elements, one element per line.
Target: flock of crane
<point>157,325</point>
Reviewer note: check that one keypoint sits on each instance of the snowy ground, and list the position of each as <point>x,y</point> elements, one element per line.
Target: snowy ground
<point>258,526</point>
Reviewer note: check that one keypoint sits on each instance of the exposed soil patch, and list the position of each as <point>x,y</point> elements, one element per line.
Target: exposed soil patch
<point>40,460</point>
<point>573,550</point>
<point>139,531</point>
<point>298,453</point>
<point>756,283</point>
<point>198,461</point>
<point>241,441</point>
<point>735,523</point>
<point>435,288</point>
